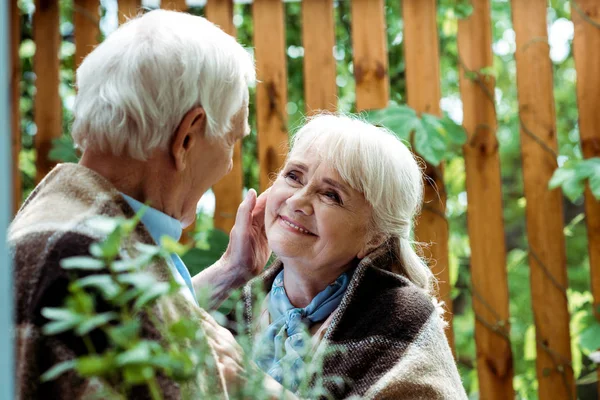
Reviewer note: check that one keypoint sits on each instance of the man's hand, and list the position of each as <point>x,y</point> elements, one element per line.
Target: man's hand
<point>231,366</point>
<point>229,354</point>
<point>248,250</point>
<point>246,254</point>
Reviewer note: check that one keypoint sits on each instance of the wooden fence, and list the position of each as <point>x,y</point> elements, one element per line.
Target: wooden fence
<point>485,222</point>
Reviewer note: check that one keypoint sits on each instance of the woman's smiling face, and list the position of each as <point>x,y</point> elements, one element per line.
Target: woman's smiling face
<point>313,218</point>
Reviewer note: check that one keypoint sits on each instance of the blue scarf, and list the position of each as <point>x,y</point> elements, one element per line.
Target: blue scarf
<point>286,342</point>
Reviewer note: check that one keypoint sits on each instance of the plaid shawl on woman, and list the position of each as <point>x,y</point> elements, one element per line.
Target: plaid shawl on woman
<point>387,334</point>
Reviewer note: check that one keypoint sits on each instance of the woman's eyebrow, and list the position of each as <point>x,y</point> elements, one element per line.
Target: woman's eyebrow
<point>336,185</point>
<point>298,165</point>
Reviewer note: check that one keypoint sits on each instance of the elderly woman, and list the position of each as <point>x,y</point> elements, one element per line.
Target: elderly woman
<point>339,219</point>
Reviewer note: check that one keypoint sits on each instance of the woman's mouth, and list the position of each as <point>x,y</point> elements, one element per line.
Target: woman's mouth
<point>294,226</point>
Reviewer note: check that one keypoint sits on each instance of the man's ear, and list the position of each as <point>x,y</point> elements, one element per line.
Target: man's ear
<point>191,128</point>
<point>376,240</point>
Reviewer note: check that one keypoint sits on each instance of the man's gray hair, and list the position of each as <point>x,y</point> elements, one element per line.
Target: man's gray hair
<point>136,86</point>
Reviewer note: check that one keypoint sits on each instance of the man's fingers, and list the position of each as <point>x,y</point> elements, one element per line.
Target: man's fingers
<point>243,217</point>
<point>258,214</point>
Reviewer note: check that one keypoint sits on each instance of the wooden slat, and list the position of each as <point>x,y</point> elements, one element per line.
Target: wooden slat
<point>47,105</point>
<point>228,192</point>
<point>421,50</point>
<point>271,91</point>
<point>318,39</point>
<point>544,212</point>
<point>485,216</point>
<point>586,17</point>
<point>128,9</point>
<point>87,27</point>
<point>174,5</point>
<point>15,80</point>
<point>369,45</point>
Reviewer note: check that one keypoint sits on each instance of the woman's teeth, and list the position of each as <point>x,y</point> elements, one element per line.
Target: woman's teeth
<point>295,227</point>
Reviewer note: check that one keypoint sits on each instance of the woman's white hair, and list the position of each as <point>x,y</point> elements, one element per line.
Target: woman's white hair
<point>136,86</point>
<point>374,162</point>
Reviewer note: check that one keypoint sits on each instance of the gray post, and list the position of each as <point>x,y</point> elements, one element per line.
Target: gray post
<point>6,298</point>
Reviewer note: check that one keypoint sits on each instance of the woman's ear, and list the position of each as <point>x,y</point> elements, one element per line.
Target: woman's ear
<point>376,240</point>
<point>191,128</point>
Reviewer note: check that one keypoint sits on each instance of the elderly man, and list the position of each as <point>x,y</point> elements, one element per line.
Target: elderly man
<point>160,104</point>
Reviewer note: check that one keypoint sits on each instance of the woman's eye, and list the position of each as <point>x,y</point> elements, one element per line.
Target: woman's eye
<point>293,176</point>
<point>333,196</point>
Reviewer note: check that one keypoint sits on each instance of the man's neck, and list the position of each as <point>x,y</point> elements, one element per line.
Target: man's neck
<point>138,179</point>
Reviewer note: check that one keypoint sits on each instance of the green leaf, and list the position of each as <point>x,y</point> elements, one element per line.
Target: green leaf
<point>173,246</point>
<point>595,185</point>
<point>429,143</point>
<point>58,370</point>
<point>95,365</point>
<point>147,249</point>
<point>400,119</point>
<point>105,225</point>
<point>593,165</point>
<point>95,322</point>
<point>140,280</point>
<point>111,245</point>
<point>180,365</point>
<point>80,301</point>
<point>56,327</point>
<point>129,265</point>
<point>432,122</point>
<point>63,150</point>
<point>59,314</point>
<point>157,290</point>
<point>568,179</point>
<point>96,250</point>
<point>184,329</point>
<point>82,262</point>
<point>588,379</point>
<point>137,374</point>
<point>125,333</point>
<point>127,296</point>
<point>62,320</point>
<point>139,354</point>
<point>103,283</point>
<point>589,339</point>
<point>455,133</point>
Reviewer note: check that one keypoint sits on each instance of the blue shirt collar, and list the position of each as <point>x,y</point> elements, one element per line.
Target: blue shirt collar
<point>157,222</point>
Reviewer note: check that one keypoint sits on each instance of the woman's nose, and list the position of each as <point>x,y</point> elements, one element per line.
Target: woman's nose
<point>300,202</point>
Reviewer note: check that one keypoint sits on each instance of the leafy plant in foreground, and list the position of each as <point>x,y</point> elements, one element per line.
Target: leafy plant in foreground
<point>124,286</point>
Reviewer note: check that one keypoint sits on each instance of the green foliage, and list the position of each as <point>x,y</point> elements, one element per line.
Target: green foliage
<point>63,150</point>
<point>435,139</point>
<point>571,178</point>
<point>129,290</point>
